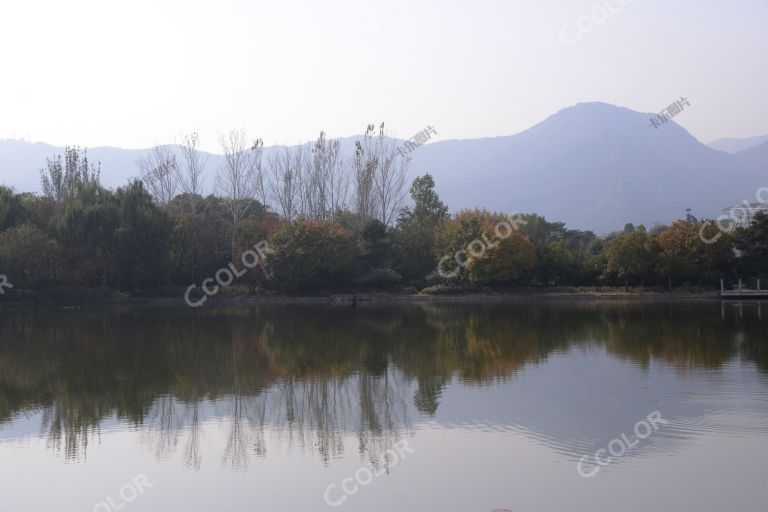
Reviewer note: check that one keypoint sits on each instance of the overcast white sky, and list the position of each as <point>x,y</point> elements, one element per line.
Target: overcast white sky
<point>136,73</point>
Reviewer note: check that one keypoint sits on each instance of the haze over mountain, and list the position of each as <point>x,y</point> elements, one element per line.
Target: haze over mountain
<point>594,166</point>
<point>738,145</point>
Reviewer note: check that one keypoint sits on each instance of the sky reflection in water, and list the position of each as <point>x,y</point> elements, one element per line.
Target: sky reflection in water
<point>264,407</point>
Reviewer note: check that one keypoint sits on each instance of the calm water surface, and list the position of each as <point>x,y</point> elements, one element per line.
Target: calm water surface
<point>490,407</point>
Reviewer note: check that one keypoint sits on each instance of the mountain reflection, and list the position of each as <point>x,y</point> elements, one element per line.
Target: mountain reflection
<point>312,375</point>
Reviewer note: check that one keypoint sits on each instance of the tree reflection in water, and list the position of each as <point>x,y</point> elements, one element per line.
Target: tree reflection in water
<point>308,377</point>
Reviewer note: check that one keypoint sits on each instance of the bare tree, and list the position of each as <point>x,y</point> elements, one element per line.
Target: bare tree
<point>303,165</point>
<point>317,183</point>
<point>364,167</point>
<point>328,181</point>
<point>192,456</point>
<point>191,176</point>
<point>237,451</point>
<point>286,171</point>
<point>310,180</point>
<point>238,181</point>
<point>260,186</point>
<point>160,173</point>
<point>336,173</point>
<point>389,177</point>
<point>342,184</point>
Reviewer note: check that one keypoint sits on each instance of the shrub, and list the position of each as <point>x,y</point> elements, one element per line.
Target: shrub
<point>379,278</point>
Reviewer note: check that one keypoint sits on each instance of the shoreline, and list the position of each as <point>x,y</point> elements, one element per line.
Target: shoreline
<point>464,298</point>
<point>351,299</point>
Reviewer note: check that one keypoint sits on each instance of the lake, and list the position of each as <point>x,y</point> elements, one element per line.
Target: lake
<point>589,406</point>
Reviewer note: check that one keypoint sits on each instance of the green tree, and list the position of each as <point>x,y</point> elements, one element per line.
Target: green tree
<point>503,262</point>
<point>428,209</point>
<point>310,255</point>
<point>377,255</point>
<point>10,208</point>
<point>28,257</point>
<point>140,244</point>
<point>199,244</point>
<point>250,232</point>
<point>375,248</point>
<point>38,211</point>
<point>583,248</point>
<point>85,228</point>
<point>627,255</point>
<point>418,228</point>
<point>684,257</point>
<point>752,243</point>
<point>553,260</point>
<point>484,248</point>
<point>454,239</point>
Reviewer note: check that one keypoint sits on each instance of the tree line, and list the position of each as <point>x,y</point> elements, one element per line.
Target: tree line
<point>333,223</point>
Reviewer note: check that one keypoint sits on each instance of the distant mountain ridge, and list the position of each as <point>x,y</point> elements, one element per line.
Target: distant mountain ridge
<point>594,166</point>
<point>731,145</point>
<point>756,156</point>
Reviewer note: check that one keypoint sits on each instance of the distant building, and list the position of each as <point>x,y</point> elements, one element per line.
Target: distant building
<point>743,215</point>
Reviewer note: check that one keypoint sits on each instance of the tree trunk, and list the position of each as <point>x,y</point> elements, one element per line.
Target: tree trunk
<point>234,234</point>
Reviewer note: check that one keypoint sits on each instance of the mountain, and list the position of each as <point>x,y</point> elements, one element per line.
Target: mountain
<point>737,145</point>
<point>594,166</point>
<point>755,157</point>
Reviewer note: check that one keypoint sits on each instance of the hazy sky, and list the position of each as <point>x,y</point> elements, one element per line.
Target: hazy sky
<point>136,73</point>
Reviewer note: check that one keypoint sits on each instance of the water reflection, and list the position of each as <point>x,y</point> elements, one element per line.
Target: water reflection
<point>305,377</point>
